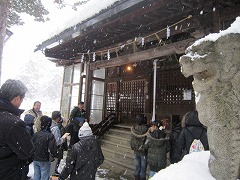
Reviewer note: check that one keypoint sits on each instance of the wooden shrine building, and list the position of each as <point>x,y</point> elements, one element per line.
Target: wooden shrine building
<point>108,58</point>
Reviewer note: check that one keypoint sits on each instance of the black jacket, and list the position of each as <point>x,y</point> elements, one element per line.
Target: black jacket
<point>173,144</point>
<point>16,148</point>
<point>157,147</point>
<point>44,142</point>
<point>193,130</point>
<point>77,112</point>
<point>138,138</point>
<point>73,129</point>
<point>82,163</point>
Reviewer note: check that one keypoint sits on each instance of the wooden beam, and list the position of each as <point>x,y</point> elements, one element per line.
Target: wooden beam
<point>178,47</point>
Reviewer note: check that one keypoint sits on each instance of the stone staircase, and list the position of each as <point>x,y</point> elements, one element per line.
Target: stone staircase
<point>116,148</point>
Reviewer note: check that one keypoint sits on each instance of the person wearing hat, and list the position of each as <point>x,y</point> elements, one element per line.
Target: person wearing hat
<point>157,146</point>
<point>56,118</point>
<point>45,149</point>
<point>86,156</point>
<point>16,147</point>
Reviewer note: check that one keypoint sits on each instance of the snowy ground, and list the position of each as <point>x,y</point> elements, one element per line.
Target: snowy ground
<point>193,166</point>
<point>102,174</point>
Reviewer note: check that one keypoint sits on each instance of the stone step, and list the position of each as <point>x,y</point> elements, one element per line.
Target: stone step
<point>117,151</point>
<point>115,146</point>
<point>122,127</point>
<point>117,170</point>
<point>116,139</point>
<point>119,133</point>
<point>118,156</point>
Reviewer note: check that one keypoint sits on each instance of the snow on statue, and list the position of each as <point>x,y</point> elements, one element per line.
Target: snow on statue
<point>214,62</point>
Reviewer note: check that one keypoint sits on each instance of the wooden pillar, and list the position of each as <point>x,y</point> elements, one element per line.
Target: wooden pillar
<point>88,88</point>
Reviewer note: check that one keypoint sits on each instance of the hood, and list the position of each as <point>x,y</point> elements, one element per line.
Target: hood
<point>88,143</point>
<point>139,130</point>
<point>191,119</point>
<point>29,119</point>
<point>157,142</point>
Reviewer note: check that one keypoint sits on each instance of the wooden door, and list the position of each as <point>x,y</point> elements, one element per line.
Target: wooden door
<point>131,99</point>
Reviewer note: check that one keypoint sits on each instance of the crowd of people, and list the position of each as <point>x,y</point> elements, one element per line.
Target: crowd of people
<point>41,140</point>
<point>151,143</point>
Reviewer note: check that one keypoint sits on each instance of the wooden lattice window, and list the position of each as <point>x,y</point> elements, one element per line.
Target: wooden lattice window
<point>111,97</point>
<point>132,99</point>
<point>171,86</point>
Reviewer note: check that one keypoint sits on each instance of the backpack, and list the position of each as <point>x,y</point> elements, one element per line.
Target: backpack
<point>196,145</point>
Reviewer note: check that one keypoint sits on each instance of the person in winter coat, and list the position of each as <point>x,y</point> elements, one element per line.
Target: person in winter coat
<point>173,140</point>
<point>77,117</point>
<point>193,129</point>
<point>79,111</point>
<point>137,141</point>
<point>16,147</point>
<point>56,118</point>
<point>85,158</point>
<point>36,112</point>
<point>45,149</point>
<point>157,146</point>
<point>29,120</point>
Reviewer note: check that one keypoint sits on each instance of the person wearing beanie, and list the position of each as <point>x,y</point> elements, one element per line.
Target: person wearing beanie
<point>85,130</point>
<point>56,118</point>
<point>86,156</point>
<point>137,145</point>
<point>16,150</point>
<point>45,149</point>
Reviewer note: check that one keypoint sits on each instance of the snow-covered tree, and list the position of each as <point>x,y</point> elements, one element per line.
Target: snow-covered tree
<point>10,11</point>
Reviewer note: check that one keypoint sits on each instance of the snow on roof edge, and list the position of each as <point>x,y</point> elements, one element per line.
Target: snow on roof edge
<point>234,28</point>
<point>86,12</point>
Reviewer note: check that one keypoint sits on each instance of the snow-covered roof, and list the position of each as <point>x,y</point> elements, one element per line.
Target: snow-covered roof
<point>88,14</point>
<point>121,22</point>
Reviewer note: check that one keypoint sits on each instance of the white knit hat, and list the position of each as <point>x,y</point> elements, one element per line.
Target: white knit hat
<point>85,130</point>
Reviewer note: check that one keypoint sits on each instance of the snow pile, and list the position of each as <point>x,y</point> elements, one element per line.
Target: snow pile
<point>234,28</point>
<point>193,166</point>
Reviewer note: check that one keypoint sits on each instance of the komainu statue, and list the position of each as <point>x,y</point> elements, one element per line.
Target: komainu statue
<point>215,66</point>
